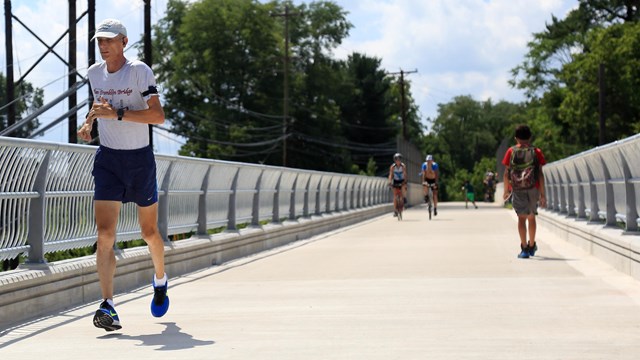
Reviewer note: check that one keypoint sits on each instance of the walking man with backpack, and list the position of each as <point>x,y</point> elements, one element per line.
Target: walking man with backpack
<point>523,180</point>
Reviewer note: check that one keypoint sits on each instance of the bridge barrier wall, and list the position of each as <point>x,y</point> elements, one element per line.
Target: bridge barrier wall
<point>46,203</point>
<point>593,201</point>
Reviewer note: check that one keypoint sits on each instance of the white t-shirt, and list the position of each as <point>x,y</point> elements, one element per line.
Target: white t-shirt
<point>128,88</point>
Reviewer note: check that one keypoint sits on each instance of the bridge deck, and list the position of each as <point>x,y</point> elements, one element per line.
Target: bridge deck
<point>451,288</point>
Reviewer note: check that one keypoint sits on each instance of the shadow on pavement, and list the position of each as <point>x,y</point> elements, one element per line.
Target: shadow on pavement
<point>170,339</point>
<point>546,258</point>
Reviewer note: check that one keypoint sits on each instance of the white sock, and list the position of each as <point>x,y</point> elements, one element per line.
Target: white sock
<point>160,282</point>
<point>110,302</point>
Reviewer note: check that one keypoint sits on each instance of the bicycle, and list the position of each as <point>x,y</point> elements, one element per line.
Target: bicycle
<point>399,200</point>
<point>429,198</point>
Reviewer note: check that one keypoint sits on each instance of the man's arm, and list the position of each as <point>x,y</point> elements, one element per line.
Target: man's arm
<point>153,115</point>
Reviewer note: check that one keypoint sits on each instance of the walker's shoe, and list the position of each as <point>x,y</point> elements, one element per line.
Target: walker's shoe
<point>160,302</point>
<point>532,250</point>
<point>395,214</point>
<point>106,318</point>
<point>524,254</point>
<point>435,211</point>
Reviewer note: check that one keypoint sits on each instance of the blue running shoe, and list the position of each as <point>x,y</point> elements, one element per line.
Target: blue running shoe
<point>524,254</point>
<point>106,318</point>
<point>532,250</point>
<point>160,302</point>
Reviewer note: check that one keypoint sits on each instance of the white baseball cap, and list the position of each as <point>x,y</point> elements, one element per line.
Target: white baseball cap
<point>429,158</point>
<point>109,28</point>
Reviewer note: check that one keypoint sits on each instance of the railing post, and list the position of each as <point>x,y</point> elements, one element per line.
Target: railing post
<point>163,204</point>
<point>555,191</point>
<point>581,201</point>
<point>571,205</point>
<point>327,207</point>
<point>292,201</point>
<point>318,195</point>
<point>35,236</point>
<point>562,189</point>
<point>593,195</point>
<point>609,199</point>
<point>231,214</point>
<point>358,192</point>
<point>631,211</point>
<point>305,209</point>
<point>202,204</point>
<point>255,209</point>
<point>276,201</point>
<point>337,205</point>
<point>347,196</point>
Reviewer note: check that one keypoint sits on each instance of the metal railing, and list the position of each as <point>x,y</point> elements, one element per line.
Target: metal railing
<point>600,185</point>
<point>46,196</point>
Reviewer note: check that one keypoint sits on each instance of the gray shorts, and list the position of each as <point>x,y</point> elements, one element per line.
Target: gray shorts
<point>525,202</point>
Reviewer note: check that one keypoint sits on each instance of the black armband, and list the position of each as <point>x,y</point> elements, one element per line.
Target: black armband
<point>152,90</point>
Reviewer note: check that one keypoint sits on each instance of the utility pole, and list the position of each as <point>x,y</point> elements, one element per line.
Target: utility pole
<point>73,97</point>
<point>91,46</point>
<point>601,104</point>
<point>285,101</point>
<point>147,50</point>
<point>403,99</point>
<point>10,90</point>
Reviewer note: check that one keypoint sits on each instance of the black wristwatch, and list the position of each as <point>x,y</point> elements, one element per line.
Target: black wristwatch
<point>120,113</point>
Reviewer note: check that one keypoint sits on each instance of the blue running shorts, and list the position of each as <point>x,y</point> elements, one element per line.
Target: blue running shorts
<point>125,175</point>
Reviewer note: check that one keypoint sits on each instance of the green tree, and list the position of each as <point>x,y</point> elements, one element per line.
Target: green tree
<point>464,135</point>
<point>617,47</point>
<point>317,140</point>
<point>29,98</point>
<point>366,106</point>
<point>560,76</point>
<point>217,62</point>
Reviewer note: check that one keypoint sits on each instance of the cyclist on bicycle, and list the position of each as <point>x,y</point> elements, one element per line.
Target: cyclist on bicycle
<point>397,178</point>
<point>430,173</point>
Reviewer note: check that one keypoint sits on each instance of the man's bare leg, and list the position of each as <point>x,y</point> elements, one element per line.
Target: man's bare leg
<point>148,217</point>
<point>106,220</point>
<point>522,230</point>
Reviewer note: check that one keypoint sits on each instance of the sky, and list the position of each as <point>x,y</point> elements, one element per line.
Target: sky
<point>463,47</point>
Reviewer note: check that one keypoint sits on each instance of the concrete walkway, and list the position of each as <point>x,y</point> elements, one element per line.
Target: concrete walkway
<point>450,288</point>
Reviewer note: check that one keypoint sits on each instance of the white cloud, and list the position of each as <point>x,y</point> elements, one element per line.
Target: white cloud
<point>459,47</point>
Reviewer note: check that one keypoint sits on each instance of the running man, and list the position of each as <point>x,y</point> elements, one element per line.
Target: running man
<point>124,168</point>
<point>430,174</point>
<point>397,178</point>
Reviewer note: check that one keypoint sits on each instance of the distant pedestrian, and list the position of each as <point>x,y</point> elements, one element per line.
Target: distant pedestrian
<point>489,183</point>
<point>124,167</point>
<point>523,180</point>
<point>470,194</point>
